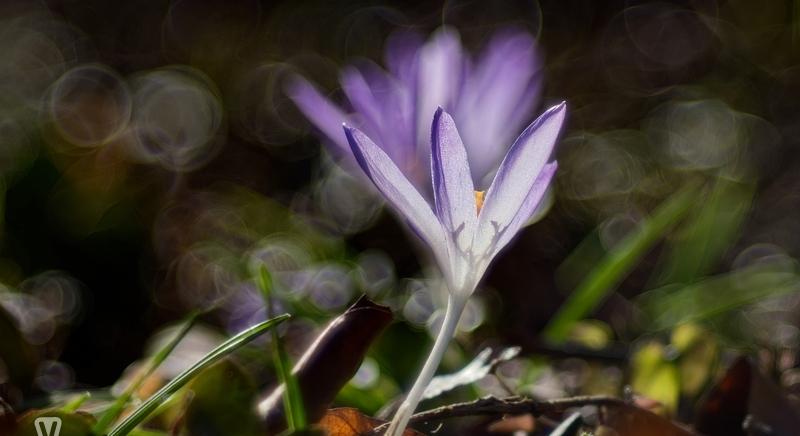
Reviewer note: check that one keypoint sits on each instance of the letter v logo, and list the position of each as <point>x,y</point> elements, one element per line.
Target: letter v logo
<point>47,426</point>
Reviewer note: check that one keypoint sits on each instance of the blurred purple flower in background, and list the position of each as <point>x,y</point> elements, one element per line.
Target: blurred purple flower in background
<point>387,130</point>
<point>491,98</point>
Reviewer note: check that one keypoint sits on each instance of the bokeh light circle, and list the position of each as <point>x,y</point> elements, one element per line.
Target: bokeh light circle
<point>90,105</point>
<point>177,118</point>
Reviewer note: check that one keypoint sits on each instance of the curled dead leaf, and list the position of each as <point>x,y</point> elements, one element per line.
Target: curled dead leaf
<point>346,421</point>
<point>629,420</point>
<point>511,424</point>
<point>329,363</point>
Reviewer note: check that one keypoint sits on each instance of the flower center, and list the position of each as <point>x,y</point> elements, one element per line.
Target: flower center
<point>479,200</point>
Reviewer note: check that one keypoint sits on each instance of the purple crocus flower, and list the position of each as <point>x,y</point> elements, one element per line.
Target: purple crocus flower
<point>491,98</point>
<point>429,175</point>
<point>464,228</point>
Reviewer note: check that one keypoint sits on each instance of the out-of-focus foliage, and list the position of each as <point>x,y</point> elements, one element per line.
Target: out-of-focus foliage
<point>71,423</point>
<point>224,386</point>
<point>151,164</point>
<point>621,259</point>
<point>143,410</point>
<point>326,366</point>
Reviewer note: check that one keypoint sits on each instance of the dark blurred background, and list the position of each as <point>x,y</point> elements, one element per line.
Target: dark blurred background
<point>148,155</point>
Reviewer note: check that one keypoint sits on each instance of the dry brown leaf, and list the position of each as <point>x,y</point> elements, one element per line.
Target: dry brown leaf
<point>329,363</point>
<point>511,424</point>
<point>744,393</point>
<point>650,404</point>
<point>628,420</point>
<point>604,430</point>
<point>346,421</point>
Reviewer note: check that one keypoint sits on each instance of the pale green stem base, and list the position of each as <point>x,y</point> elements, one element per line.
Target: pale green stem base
<point>455,306</point>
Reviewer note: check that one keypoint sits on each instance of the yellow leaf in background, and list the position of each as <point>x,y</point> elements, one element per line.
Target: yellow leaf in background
<point>654,377</point>
<point>592,333</point>
<point>698,354</point>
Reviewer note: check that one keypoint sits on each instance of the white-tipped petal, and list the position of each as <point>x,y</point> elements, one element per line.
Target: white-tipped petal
<point>453,191</point>
<point>398,191</point>
<point>516,177</point>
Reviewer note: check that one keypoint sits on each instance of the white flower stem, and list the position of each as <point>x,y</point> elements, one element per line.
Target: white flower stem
<point>455,306</point>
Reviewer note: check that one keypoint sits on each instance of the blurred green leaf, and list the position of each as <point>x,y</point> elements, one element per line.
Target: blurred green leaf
<point>72,424</point>
<point>580,261</point>
<point>75,402</point>
<point>144,410</point>
<point>222,398</point>
<point>616,265</point>
<point>260,217</point>
<point>706,233</point>
<point>672,305</point>
<point>292,398</point>
<point>114,411</point>
<point>142,432</point>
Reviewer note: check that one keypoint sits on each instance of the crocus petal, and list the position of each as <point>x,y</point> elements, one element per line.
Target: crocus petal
<point>363,100</point>
<point>516,177</point>
<point>453,191</point>
<point>386,109</point>
<point>439,75</point>
<point>528,208</point>
<point>398,191</point>
<point>325,116</point>
<point>402,50</point>
<point>498,96</point>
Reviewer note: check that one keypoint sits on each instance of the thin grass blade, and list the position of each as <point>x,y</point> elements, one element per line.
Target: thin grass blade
<point>146,408</point>
<point>116,408</point>
<point>75,403</point>
<point>618,263</point>
<point>292,398</point>
<point>673,305</point>
<point>706,233</point>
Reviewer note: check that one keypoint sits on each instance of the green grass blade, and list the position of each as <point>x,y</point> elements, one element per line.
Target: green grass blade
<point>672,305</point>
<point>618,263</point>
<point>292,398</point>
<point>116,408</point>
<point>706,234</point>
<point>76,402</point>
<point>140,432</point>
<point>146,408</point>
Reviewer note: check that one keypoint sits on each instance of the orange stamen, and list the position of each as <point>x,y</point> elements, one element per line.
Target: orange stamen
<point>479,200</point>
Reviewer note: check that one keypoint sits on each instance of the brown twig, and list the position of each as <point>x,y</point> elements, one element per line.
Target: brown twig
<point>506,406</point>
